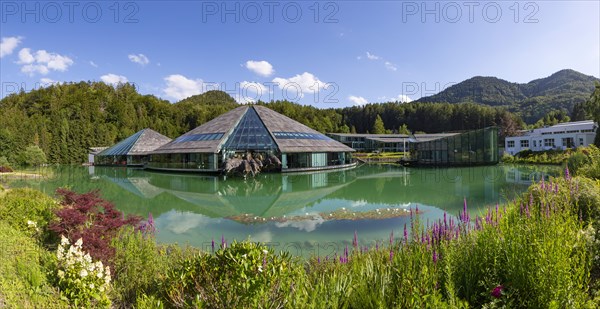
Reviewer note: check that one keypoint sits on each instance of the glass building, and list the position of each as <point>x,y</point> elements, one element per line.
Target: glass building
<point>132,151</point>
<point>479,147</point>
<point>252,132</point>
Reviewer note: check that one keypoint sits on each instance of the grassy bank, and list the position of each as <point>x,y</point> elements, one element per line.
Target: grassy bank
<point>540,250</point>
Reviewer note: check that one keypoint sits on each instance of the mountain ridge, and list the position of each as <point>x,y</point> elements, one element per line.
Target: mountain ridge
<point>532,100</point>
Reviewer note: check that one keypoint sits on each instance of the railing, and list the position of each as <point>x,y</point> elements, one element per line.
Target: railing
<point>189,165</point>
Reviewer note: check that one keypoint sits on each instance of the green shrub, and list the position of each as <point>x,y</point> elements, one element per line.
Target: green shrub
<point>507,158</point>
<point>576,161</point>
<point>23,281</point>
<point>4,162</point>
<point>83,281</point>
<point>139,264</point>
<point>245,275</point>
<point>28,210</point>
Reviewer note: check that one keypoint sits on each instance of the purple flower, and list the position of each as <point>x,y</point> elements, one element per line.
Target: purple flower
<point>212,244</point>
<point>567,175</point>
<point>355,240</point>
<point>377,245</point>
<point>497,291</point>
<point>392,238</point>
<point>435,257</point>
<point>405,234</point>
<point>391,255</point>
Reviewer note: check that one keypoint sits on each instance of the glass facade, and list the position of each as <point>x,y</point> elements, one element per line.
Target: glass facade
<point>199,137</point>
<point>472,148</point>
<point>299,135</point>
<point>250,134</point>
<point>314,160</point>
<point>196,161</point>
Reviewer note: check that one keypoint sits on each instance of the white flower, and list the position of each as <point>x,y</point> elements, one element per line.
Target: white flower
<point>61,274</point>
<point>63,240</point>
<point>83,273</point>
<point>260,269</point>
<point>79,242</point>
<point>88,258</point>
<point>265,251</point>
<point>99,275</point>
<point>92,286</point>
<point>101,289</point>
<point>31,223</point>
<point>244,255</point>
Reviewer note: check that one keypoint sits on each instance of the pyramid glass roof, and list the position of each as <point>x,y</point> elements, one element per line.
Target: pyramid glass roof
<point>250,134</point>
<point>122,148</point>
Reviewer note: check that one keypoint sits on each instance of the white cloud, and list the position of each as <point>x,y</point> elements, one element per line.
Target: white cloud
<point>308,225</point>
<point>372,57</point>
<point>45,82</point>
<point>390,66</point>
<point>299,84</point>
<point>8,44</point>
<point>400,98</point>
<point>358,100</point>
<point>42,62</point>
<point>25,56</point>
<point>113,79</point>
<point>140,59</point>
<point>180,87</point>
<point>92,63</point>
<point>261,68</point>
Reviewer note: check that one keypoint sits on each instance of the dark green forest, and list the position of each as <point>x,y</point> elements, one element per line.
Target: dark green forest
<point>558,94</point>
<point>64,120</point>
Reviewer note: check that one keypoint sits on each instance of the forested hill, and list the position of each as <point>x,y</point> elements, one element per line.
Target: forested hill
<point>532,101</point>
<point>64,120</point>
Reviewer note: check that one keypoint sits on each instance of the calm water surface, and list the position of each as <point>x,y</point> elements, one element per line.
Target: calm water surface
<point>305,214</point>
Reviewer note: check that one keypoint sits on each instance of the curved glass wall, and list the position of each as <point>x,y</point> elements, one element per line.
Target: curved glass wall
<point>471,148</point>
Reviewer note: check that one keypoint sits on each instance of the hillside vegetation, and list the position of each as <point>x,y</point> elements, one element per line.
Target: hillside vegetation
<point>65,120</point>
<point>560,92</point>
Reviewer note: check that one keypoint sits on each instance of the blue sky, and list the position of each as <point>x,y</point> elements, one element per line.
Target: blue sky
<point>327,54</point>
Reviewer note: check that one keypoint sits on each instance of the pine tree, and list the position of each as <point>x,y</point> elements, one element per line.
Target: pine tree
<point>378,126</point>
<point>593,109</point>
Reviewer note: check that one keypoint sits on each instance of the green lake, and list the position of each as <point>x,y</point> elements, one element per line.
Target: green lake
<point>304,214</point>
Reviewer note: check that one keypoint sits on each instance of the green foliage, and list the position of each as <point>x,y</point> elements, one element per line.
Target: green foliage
<point>23,281</point>
<point>29,211</point>
<point>33,156</point>
<point>592,107</point>
<point>542,157</point>
<point>245,275</point>
<point>403,129</point>
<point>378,126</point>
<point>586,162</point>
<point>139,264</point>
<point>4,161</point>
<point>558,93</point>
<point>83,281</point>
<point>507,158</point>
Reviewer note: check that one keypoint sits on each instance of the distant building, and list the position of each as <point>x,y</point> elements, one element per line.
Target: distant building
<point>478,147</point>
<point>560,136</point>
<point>132,151</point>
<point>382,142</point>
<point>93,152</point>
